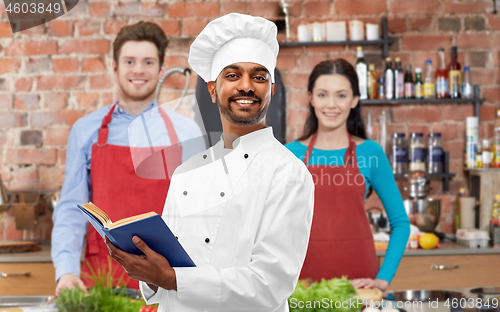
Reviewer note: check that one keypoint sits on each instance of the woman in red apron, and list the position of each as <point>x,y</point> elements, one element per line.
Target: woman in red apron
<point>121,193</point>
<point>334,142</point>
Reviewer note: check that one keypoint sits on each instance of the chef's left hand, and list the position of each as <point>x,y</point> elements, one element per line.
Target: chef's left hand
<point>151,268</point>
<point>370,283</point>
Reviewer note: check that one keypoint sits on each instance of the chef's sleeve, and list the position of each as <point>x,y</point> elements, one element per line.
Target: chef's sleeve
<point>277,255</point>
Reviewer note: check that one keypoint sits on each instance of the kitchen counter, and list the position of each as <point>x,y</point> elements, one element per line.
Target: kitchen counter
<point>33,256</point>
<point>448,249</point>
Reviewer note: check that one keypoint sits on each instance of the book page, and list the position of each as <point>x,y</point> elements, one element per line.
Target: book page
<point>99,214</point>
<point>131,219</point>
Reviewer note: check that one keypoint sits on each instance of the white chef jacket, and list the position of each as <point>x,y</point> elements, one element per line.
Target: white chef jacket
<point>244,217</point>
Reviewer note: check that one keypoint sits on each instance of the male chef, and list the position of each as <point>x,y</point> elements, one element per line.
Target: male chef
<point>242,209</point>
<point>99,165</point>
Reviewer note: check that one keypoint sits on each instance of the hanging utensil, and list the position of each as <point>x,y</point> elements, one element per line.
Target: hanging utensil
<point>185,71</point>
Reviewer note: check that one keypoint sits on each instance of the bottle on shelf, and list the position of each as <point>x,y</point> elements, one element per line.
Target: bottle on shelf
<point>441,77</point>
<point>454,75</point>
<point>467,92</point>
<point>417,152</point>
<point>362,71</point>
<point>399,154</point>
<point>486,153</point>
<point>462,192</point>
<point>495,223</point>
<point>372,82</point>
<point>435,155</point>
<point>409,87</point>
<point>497,139</point>
<point>479,155</point>
<point>419,86</point>
<point>381,88</point>
<point>389,79</point>
<point>429,86</point>
<point>399,80</point>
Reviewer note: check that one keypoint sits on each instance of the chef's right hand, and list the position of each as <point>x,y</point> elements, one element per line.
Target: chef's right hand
<point>69,280</point>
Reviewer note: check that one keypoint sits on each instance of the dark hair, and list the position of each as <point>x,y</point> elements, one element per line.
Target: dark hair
<point>342,67</point>
<point>142,31</point>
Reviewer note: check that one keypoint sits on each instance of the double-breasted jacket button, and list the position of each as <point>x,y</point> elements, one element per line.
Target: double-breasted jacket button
<point>207,240</point>
<point>185,193</point>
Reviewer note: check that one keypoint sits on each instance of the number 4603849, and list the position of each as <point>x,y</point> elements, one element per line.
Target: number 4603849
<point>471,303</point>
<point>33,8</point>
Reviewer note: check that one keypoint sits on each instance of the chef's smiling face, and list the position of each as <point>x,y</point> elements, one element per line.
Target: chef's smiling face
<point>243,92</point>
<point>137,70</point>
<point>332,99</point>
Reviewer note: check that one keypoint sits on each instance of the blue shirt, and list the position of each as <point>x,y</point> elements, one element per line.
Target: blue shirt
<point>69,223</point>
<point>377,172</point>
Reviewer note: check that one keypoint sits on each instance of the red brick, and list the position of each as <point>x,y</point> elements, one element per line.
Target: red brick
<point>127,9</point>
<point>296,117</point>
<point>266,9</point>
<point>152,9</point>
<point>322,49</point>
<point>11,231</point>
<point>51,176</point>
<point>88,28</point>
<point>60,28</point>
<point>494,22</point>
<point>298,100</point>
<point>287,62</point>
<point>31,48</point>
<point>37,65</point>
<point>57,136</point>
<point>175,61</point>
<point>171,28</point>
<point>234,7</point>
<point>61,155</point>
<point>413,7</point>
<point>12,119</point>
<point>65,65</point>
<point>190,9</point>
<point>26,101</point>
<point>418,60</point>
<point>100,9</point>
<point>108,98</point>
<point>193,26</point>
<point>64,117</point>
<point>307,62</point>
<point>491,94</point>
<point>93,65</point>
<point>396,24</point>
<point>9,65</point>
<point>35,32</point>
<point>316,8</point>
<point>24,178</point>
<point>416,114</point>
<point>418,128</point>
<point>426,42</point>
<point>456,149</point>
<point>101,82</point>
<point>5,30</point>
<point>112,27</point>
<point>298,81</point>
<point>482,77</point>
<point>90,46</point>
<point>457,112</point>
<point>467,6</point>
<point>5,101</point>
<point>55,101</point>
<point>55,82</point>
<point>421,23</point>
<point>447,130</point>
<point>487,113</point>
<point>476,41</point>
<point>359,7</point>
<point>86,99</point>
<point>23,84</point>
<point>29,156</point>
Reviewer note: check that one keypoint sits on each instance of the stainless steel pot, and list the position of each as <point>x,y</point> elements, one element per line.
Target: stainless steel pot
<point>418,184</point>
<point>423,213</point>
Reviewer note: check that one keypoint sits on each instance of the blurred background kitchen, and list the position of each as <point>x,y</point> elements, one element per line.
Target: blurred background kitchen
<point>53,74</point>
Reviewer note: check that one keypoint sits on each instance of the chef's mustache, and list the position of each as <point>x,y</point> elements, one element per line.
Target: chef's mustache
<point>245,94</point>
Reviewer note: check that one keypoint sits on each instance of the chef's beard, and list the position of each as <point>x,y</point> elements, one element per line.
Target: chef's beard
<point>228,112</point>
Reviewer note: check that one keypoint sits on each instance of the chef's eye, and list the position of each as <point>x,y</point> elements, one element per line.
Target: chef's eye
<point>231,76</point>
<point>260,78</point>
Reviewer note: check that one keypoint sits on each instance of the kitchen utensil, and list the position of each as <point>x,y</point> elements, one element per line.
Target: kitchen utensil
<point>418,184</point>
<point>467,214</point>
<point>486,290</point>
<point>423,213</point>
<point>424,295</point>
<point>24,301</point>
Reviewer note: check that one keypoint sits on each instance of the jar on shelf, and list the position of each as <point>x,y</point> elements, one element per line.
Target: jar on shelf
<point>399,153</point>
<point>487,157</point>
<point>435,155</point>
<point>417,152</point>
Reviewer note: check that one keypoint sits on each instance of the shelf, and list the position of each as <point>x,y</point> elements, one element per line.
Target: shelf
<point>431,176</point>
<point>422,101</point>
<point>330,43</point>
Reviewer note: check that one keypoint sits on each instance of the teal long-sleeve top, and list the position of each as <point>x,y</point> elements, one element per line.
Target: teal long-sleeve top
<point>377,172</point>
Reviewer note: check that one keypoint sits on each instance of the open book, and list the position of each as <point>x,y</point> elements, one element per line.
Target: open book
<point>150,227</point>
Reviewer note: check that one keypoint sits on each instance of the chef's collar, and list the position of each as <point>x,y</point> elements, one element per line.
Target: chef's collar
<point>118,110</point>
<point>253,140</point>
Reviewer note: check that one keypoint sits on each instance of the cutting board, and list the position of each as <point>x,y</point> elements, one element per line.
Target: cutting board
<point>19,246</point>
<point>369,294</point>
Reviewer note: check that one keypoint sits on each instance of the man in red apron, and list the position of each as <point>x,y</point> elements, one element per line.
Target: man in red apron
<point>99,165</point>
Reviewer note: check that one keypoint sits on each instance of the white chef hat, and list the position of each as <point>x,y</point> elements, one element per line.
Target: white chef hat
<point>234,38</point>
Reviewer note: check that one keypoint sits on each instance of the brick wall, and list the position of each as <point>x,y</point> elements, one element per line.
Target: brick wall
<point>54,74</point>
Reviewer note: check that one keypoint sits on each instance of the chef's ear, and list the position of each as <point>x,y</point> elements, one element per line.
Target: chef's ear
<point>211,89</point>
<point>273,88</point>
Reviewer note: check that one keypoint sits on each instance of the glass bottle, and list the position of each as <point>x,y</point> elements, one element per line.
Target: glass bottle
<point>399,154</point>
<point>362,71</point>
<point>399,80</point>
<point>462,192</point>
<point>419,86</point>
<point>381,88</point>
<point>389,79</point>
<point>454,75</point>
<point>479,155</point>
<point>409,88</point>
<point>435,155</point>
<point>467,92</point>
<point>441,77</point>
<point>417,152</point>
<point>429,86</point>
<point>486,153</point>
<point>495,223</point>
<point>372,82</point>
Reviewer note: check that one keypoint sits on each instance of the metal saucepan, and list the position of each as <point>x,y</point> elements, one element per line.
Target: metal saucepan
<point>423,213</point>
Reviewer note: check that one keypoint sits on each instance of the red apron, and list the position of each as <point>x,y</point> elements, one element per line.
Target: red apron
<point>121,193</point>
<point>341,242</point>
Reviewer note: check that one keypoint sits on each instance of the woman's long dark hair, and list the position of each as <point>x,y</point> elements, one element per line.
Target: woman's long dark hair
<point>355,125</point>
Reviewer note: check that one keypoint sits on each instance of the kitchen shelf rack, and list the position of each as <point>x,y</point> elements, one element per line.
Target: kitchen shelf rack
<point>446,176</point>
<point>385,42</point>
